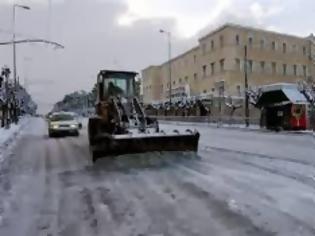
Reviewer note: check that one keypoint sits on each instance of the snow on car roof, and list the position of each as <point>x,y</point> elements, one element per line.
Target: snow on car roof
<point>64,113</point>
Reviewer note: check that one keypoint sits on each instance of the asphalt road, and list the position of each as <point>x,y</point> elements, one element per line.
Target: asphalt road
<point>240,183</point>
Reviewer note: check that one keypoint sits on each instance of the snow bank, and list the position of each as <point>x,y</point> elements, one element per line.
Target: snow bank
<point>8,136</point>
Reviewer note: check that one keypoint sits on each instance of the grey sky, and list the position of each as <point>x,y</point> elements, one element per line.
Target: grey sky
<point>124,34</point>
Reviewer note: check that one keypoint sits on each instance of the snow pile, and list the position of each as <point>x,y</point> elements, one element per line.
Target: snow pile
<point>8,136</point>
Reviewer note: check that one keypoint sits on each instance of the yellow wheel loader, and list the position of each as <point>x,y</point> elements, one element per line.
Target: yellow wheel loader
<point>120,125</point>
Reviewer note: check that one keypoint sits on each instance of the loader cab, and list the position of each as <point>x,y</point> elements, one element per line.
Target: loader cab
<point>116,84</point>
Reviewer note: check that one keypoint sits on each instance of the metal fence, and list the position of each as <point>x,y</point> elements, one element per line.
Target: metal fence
<point>211,119</point>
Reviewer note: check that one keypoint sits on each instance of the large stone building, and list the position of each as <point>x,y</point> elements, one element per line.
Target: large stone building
<point>216,65</point>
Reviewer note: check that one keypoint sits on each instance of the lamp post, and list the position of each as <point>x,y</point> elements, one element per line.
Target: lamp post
<point>169,60</point>
<point>13,38</point>
<point>246,88</point>
<point>14,55</point>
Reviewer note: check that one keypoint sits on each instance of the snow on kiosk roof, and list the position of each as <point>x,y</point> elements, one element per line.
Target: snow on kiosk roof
<point>282,93</point>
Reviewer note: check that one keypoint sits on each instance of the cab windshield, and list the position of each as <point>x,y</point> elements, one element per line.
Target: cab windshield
<point>118,87</point>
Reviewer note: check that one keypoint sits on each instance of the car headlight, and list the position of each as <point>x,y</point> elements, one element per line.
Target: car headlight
<point>55,126</point>
<point>73,126</point>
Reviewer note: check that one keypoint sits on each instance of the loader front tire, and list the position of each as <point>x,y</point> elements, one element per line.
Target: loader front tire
<point>93,129</point>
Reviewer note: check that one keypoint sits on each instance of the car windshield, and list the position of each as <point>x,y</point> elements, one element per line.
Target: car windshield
<point>62,117</point>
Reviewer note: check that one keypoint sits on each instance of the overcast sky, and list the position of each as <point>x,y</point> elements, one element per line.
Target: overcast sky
<point>123,34</point>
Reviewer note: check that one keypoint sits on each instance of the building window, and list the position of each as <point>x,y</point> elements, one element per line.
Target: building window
<point>294,70</point>
<point>204,91</point>
<point>262,66</point>
<point>262,44</point>
<point>304,51</point>
<point>250,66</point>
<point>274,68</point>
<point>204,48</point>
<point>180,80</point>
<point>195,59</point>
<point>238,90</point>
<point>204,71</point>
<point>213,90</point>
<point>237,64</point>
<point>195,76</point>
<point>174,82</point>
<point>222,65</point>
<point>284,47</point>
<point>212,68</point>
<point>273,45</point>
<point>237,39</point>
<point>250,41</point>
<point>304,71</point>
<point>221,41</point>
<point>186,79</point>
<point>284,69</point>
<point>294,48</point>
<point>212,44</point>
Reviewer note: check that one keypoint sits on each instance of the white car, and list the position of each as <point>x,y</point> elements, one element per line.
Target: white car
<point>63,123</point>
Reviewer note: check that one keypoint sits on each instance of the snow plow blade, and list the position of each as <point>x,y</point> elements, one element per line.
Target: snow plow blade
<point>111,145</point>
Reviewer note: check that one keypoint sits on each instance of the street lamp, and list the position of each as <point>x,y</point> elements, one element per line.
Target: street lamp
<point>169,60</point>
<point>14,53</point>
<point>13,38</point>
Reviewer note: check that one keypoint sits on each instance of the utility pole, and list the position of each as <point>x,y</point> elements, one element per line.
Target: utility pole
<point>170,64</point>
<point>169,61</point>
<point>246,89</point>
<point>5,108</point>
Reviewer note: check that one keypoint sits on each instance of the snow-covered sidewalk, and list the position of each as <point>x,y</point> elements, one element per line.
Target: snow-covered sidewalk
<point>9,136</point>
<point>232,126</point>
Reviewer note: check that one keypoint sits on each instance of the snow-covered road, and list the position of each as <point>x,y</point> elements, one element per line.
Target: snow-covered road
<point>240,183</point>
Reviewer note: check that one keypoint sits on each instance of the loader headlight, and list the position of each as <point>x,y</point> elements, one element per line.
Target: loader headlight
<point>73,126</point>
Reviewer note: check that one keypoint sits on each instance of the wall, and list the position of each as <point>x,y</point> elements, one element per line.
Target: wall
<point>194,67</point>
<point>152,84</point>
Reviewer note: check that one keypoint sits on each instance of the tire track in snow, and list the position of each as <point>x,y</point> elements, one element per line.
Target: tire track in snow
<point>247,159</point>
<point>254,194</point>
<point>80,189</point>
<point>47,223</point>
<point>206,148</point>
